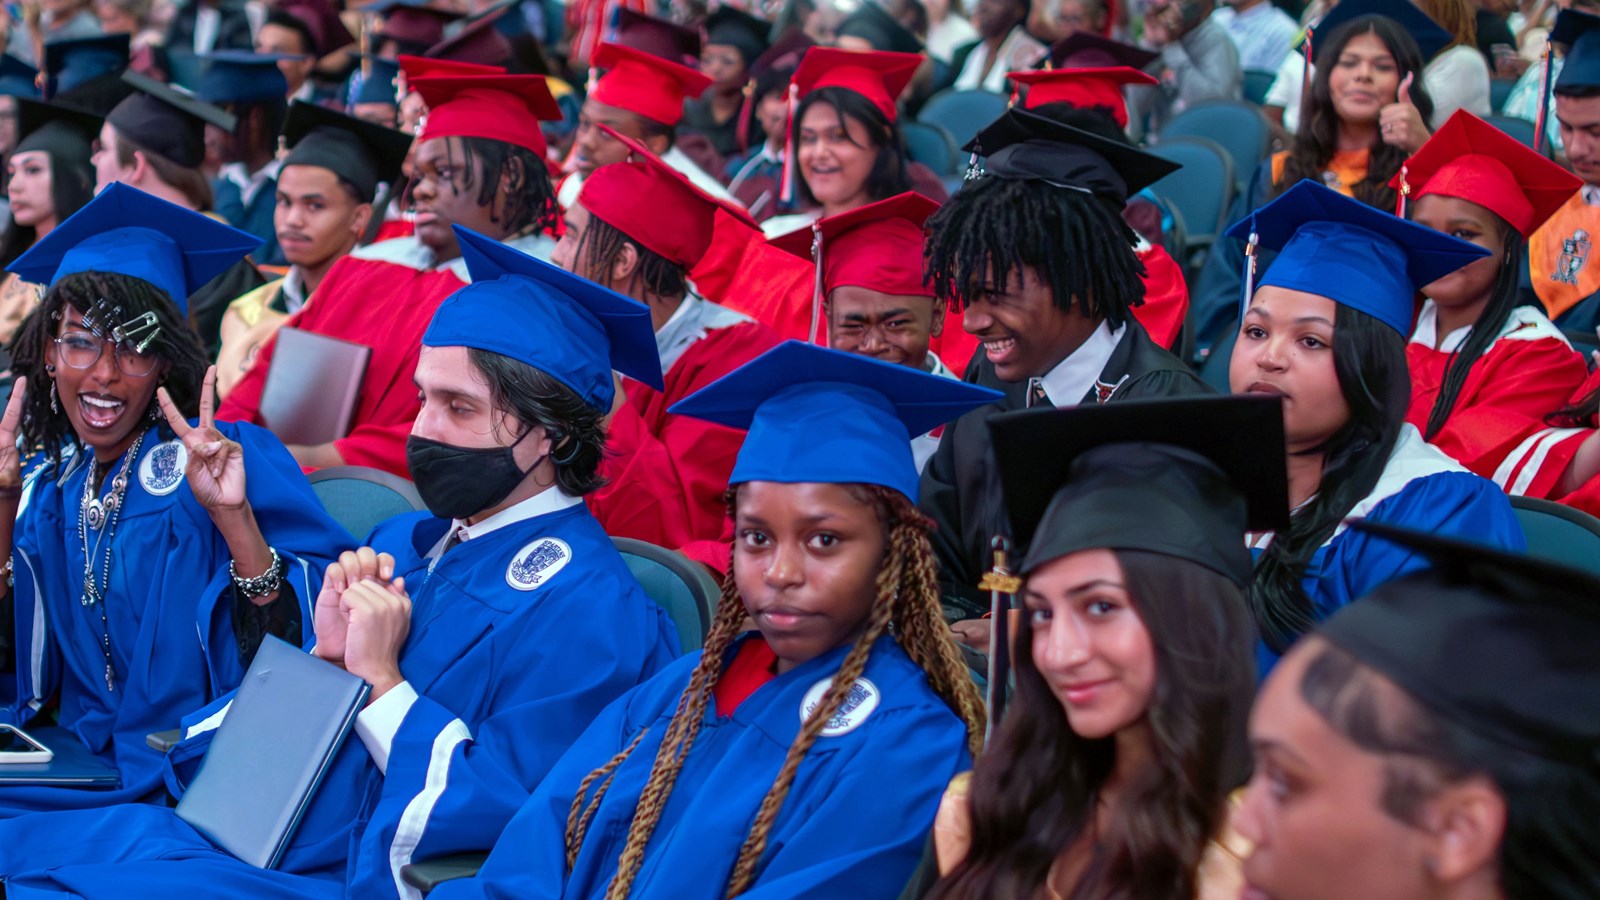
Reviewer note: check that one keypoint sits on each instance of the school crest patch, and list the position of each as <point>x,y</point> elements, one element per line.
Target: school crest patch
<point>1574,255</point>
<point>857,706</point>
<point>161,470</point>
<point>537,563</point>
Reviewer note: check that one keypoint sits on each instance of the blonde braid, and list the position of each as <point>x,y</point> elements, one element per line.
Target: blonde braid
<point>680,736</point>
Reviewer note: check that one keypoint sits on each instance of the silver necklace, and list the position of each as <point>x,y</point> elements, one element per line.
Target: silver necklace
<point>94,513</point>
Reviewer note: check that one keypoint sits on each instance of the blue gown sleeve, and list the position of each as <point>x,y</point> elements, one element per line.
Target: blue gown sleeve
<point>293,522</point>
<point>1450,504</point>
<point>529,859</point>
<point>844,847</point>
<point>36,664</point>
<point>449,790</point>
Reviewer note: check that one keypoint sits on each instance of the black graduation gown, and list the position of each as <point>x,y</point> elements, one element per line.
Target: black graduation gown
<point>960,486</point>
<point>210,302</point>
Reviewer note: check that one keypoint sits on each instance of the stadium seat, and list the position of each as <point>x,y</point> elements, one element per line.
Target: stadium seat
<point>932,146</point>
<point>359,498</point>
<point>1238,127</point>
<point>679,585</point>
<point>962,113</point>
<point>1560,534</point>
<point>1201,191</point>
<point>1256,84</point>
<point>1521,129</point>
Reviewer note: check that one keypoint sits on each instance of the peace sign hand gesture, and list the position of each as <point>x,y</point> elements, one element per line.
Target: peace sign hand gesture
<point>10,457</point>
<point>216,464</point>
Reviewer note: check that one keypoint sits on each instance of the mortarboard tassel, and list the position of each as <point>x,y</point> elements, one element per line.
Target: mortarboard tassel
<point>786,185</point>
<point>1305,73</point>
<point>1250,251</point>
<point>742,130</point>
<point>1402,198</point>
<point>1541,120</point>
<point>816,295</point>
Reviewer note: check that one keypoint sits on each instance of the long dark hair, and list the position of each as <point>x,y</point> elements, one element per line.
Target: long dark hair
<point>109,298</point>
<point>1369,358</point>
<point>1504,297</point>
<point>1550,849</point>
<point>889,175</point>
<point>1318,136</point>
<point>1034,792</point>
<point>71,186</point>
<point>907,606</point>
<point>532,397</point>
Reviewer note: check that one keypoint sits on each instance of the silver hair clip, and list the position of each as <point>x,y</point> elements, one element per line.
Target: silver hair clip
<point>139,331</point>
<point>974,169</point>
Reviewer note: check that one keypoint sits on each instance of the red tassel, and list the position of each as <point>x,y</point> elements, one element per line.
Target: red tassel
<point>786,187</point>
<point>1402,195</point>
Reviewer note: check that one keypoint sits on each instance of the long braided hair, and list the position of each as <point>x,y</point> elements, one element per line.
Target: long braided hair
<point>907,606</point>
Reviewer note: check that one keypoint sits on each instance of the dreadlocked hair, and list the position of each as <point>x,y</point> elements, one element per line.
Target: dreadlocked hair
<point>1369,359</point>
<point>1504,297</point>
<point>1318,137</point>
<point>907,606</point>
<point>530,199</point>
<point>602,244</point>
<point>109,299</point>
<point>994,227</point>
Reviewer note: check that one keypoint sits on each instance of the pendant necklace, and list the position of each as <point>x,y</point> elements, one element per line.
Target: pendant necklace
<point>95,514</point>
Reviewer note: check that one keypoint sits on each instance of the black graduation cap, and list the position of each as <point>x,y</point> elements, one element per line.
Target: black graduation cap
<point>17,78</point>
<point>70,63</point>
<point>413,24</point>
<point>873,24</point>
<point>359,152</point>
<point>1429,35</point>
<point>1578,34</point>
<point>167,121</point>
<point>1025,145</point>
<point>1503,644</point>
<point>656,36</point>
<point>1086,50</point>
<point>1182,477</point>
<point>243,76</point>
<point>59,130</point>
<point>738,29</point>
<point>477,41</point>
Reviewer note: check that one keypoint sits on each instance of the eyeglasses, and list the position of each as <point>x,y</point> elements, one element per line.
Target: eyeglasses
<point>80,351</point>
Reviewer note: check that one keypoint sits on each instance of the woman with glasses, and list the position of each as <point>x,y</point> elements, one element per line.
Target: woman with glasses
<point>148,553</point>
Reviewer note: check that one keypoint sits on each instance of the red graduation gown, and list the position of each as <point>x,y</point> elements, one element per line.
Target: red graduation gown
<point>383,296</point>
<point>1534,466</point>
<point>666,474</point>
<point>1526,373</point>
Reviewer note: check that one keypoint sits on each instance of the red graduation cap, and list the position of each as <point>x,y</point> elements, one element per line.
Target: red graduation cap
<point>479,41</point>
<point>426,67</point>
<point>506,108</point>
<point>1082,88</point>
<point>1470,159</point>
<point>877,247</point>
<point>656,36</point>
<point>678,219</point>
<point>878,75</point>
<point>646,84</point>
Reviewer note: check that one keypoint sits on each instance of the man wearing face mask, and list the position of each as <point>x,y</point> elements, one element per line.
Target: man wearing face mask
<point>492,628</point>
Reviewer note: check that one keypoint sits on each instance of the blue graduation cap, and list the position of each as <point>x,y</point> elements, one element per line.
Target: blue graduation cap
<point>128,232</point>
<point>70,63</point>
<point>243,76</point>
<point>1357,256</point>
<point>17,78</point>
<point>1429,35</point>
<point>826,416</point>
<point>377,84</point>
<point>1579,34</point>
<point>531,311</point>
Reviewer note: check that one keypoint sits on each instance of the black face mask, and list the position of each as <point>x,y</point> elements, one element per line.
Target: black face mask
<point>457,482</point>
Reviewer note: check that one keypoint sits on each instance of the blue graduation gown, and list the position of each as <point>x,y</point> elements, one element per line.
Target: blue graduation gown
<point>508,677</point>
<point>1420,488</point>
<point>255,218</point>
<point>169,608</point>
<point>853,825</point>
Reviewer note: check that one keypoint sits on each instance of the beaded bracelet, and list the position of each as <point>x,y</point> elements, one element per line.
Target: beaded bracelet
<point>268,582</point>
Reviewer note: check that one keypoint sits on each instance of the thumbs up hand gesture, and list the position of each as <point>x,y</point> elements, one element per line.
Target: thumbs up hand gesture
<point>1400,123</point>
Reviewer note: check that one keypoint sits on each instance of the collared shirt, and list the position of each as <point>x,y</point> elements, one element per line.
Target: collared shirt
<point>1263,33</point>
<point>250,183</point>
<point>1072,378</point>
<point>1017,51</point>
<point>380,721</point>
<point>691,321</point>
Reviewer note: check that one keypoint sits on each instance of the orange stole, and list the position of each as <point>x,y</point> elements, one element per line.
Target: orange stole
<point>1349,166</point>
<point>1558,256</point>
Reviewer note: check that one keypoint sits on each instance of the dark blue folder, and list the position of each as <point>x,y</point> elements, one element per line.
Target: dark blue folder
<point>72,764</point>
<point>288,719</point>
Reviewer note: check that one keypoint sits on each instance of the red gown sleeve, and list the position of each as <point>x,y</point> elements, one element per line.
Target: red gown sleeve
<point>742,272</point>
<point>1535,466</point>
<point>1166,297</point>
<point>666,474</point>
<point>1505,398</point>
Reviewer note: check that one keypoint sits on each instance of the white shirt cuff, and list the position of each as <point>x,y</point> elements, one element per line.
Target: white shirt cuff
<point>378,723</point>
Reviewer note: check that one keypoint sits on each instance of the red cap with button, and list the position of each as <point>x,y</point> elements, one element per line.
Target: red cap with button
<point>506,108</point>
<point>879,76</point>
<point>1469,159</point>
<point>1082,88</point>
<point>646,84</point>
<point>678,219</point>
